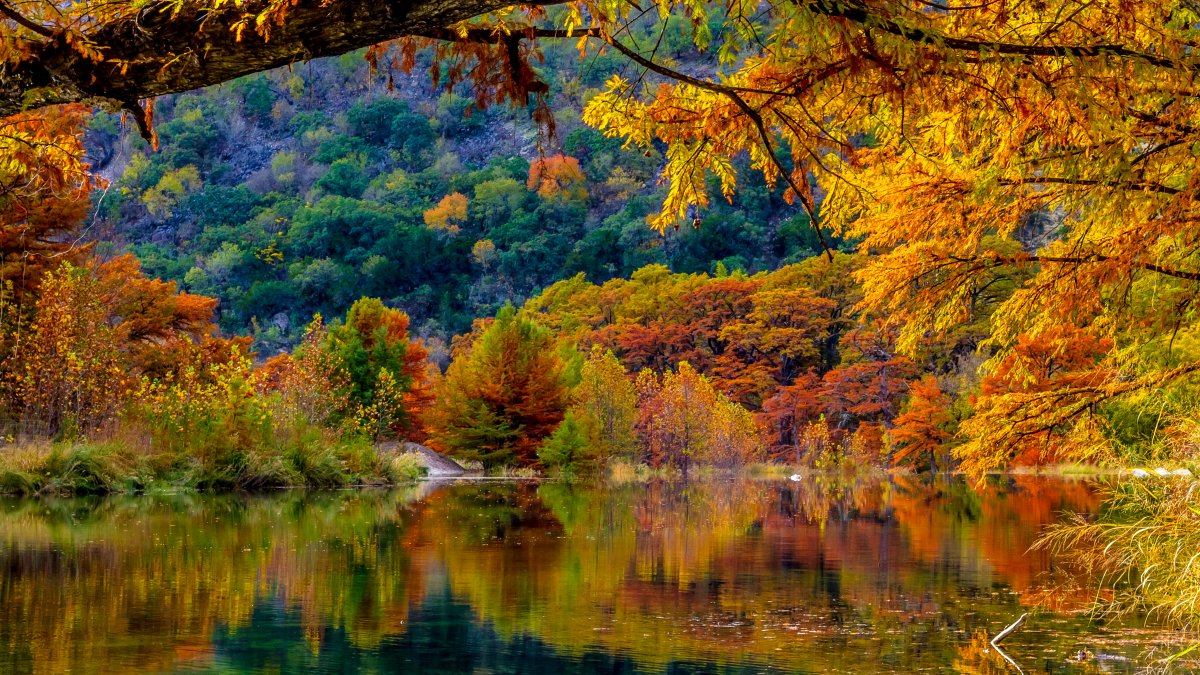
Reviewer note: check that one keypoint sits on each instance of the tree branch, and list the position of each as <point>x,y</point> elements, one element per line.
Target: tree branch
<point>733,94</point>
<point>167,49</point>
<point>10,12</point>
<point>858,12</point>
<point>1140,186</point>
<point>997,261</point>
<point>488,36</point>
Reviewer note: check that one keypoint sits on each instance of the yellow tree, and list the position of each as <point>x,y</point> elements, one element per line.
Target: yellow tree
<point>605,403</point>
<point>734,436</point>
<point>449,215</point>
<point>44,189</point>
<point>311,386</point>
<point>672,413</point>
<point>70,376</point>
<point>683,421</point>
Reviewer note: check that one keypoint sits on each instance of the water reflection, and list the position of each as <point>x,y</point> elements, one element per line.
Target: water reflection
<point>742,576</point>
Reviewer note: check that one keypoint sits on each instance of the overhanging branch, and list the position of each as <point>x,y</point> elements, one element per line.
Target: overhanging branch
<point>859,12</point>
<point>163,51</point>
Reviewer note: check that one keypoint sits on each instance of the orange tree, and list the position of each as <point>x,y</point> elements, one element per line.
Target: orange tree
<point>504,393</point>
<point>44,188</point>
<point>920,434</point>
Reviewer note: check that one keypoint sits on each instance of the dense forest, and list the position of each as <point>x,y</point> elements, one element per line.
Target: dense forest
<point>300,190</point>
<point>726,342</point>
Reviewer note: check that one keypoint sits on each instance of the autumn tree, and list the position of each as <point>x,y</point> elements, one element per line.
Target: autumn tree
<point>158,325</point>
<point>1039,402</point>
<point>920,433</point>
<point>386,373</point>
<point>872,380</point>
<point>449,215</point>
<point>70,377</point>
<point>734,435</point>
<point>44,189</point>
<point>311,386</point>
<point>684,421</point>
<point>700,317</point>
<point>783,333</point>
<point>657,344</point>
<point>557,177</point>
<point>1079,203</point>
<point>97,328</point>
<point>793,418</point>
<point>604,404</point>
<point>504,393</point>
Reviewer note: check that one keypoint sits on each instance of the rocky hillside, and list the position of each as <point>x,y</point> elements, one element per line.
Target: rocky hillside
<point>300,190</point>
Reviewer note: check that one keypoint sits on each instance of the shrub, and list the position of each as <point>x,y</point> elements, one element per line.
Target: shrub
<point>406,466</point>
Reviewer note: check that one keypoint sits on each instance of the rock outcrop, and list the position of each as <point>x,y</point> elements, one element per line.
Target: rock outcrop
<point>437,464</point>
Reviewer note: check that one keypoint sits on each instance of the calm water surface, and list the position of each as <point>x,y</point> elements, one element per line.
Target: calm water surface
<point>505,577</point>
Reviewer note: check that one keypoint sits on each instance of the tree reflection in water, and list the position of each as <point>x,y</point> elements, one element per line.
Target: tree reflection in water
<point>868,576</point>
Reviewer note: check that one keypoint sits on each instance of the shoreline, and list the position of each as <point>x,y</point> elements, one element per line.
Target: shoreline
<point>114,467</point>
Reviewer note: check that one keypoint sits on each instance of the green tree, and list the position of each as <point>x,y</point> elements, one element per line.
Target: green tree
<point>257,97</point>
<point>372,121</point>
<point>371,349</point>
<point>344,179</point>
<point>568,448</point>
<point>606,405</point>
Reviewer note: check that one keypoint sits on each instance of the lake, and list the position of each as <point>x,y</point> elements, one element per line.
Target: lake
<point>740,576</point>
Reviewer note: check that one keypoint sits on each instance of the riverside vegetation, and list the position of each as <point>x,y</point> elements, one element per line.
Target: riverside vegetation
<point>953,236</point>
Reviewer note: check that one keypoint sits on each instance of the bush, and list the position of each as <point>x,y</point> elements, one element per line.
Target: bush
<point>14,482</point>
<point>86,469</point>
<point>317,466</point>
<point>407,466</point>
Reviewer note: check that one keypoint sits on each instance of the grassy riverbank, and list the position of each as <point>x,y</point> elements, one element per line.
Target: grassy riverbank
<point>317,458</point>
<point>1144,542</point>
<point>119,467</point>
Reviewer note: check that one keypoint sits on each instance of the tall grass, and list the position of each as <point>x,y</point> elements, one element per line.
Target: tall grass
<point>1144,548</point>
<point>1144,545</point>
<point>515,472</point>
<point>134,462</point>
